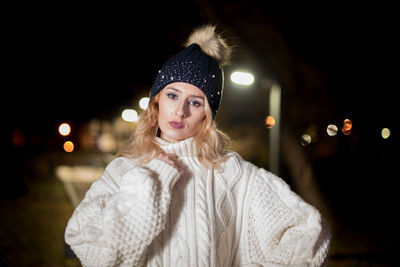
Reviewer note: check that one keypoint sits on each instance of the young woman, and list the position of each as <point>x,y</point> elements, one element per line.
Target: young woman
<point>176,197</point>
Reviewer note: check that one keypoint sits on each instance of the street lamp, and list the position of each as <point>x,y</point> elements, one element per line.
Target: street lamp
<point>272,121</point>
<point>242,78</point>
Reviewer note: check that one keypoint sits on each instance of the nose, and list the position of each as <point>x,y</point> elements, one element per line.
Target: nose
<point>181,109</point>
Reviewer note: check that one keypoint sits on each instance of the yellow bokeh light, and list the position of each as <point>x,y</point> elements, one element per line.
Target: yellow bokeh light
<point>68,146</point>
<point>385,133</point>
<point>64,129</point>
<point>305,139</point>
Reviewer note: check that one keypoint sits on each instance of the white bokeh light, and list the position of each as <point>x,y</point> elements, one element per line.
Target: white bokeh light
<point>242,78</point>
<point>130,115</point>
<point>144,102</point>
<point>64,129</point>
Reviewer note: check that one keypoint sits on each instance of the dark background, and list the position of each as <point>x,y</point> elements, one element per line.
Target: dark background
<point>336,61</point>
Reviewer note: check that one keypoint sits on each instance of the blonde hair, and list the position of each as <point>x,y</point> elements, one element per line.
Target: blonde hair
<point>210,143</point>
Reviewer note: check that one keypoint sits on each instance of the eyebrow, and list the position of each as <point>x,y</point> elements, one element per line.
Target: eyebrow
<point>177,90</point>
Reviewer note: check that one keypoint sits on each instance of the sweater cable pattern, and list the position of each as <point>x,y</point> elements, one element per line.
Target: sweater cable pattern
<point>150,215</point>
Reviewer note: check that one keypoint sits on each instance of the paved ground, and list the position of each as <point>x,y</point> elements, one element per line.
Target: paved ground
<point>32,226</point>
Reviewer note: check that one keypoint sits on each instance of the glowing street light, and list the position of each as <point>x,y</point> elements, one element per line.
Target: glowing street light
<point>64,129</point>
<point>272,121</point>
<point>242,78</point>
<point>130,115</point>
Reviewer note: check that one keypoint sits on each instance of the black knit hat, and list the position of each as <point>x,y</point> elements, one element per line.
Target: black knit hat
<point>199,64</point>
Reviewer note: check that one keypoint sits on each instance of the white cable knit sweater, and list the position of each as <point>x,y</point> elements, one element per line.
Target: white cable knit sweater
<point>240,216</point>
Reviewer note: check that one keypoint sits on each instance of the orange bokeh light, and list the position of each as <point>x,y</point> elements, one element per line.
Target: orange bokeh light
<point>68,146</point>
<point>346,132</point>
<point>269,122</point>
<point>347,127</point>
<point>347,124</point>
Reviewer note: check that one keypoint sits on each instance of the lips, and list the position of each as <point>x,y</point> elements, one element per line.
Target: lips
<point>176,124</point>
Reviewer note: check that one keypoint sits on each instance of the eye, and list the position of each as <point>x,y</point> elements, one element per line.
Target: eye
<point>172,96</point>
<point>195,103</point>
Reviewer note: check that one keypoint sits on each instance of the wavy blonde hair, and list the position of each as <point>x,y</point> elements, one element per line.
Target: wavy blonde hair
<point>210,142</point>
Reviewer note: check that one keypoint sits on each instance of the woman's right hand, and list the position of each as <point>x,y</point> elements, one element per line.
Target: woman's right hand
<point>172,159</point>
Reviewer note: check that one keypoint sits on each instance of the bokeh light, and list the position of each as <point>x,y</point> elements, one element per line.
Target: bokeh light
<point>64,129</point>
<point>347,127</point>
<point>130,115</point>
<point>305,139</point>
<point>242,78</point>
<point>269,122</point>
<point>107,142</point>
<point>385,133</point>
<point>332,129</point>
<point>68,146</point>
<point>144,102</point>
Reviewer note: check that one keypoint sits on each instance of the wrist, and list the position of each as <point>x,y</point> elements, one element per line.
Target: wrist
<point>167,174</point>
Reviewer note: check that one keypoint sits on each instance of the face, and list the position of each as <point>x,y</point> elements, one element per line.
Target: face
<point>181,111</point>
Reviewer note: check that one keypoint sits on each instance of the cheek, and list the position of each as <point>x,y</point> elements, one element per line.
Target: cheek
<point>161,116</point>
<point>198,118</point>
<point>162,111</point>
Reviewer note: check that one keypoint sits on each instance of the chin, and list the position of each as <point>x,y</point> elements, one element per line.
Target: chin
<point>172,135</point>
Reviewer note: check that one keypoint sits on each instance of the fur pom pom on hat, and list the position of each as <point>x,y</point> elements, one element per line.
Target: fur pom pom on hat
<point>211,44</point>
<point>200,64</point>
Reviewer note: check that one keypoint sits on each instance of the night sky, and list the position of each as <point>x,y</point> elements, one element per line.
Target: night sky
<point>74,63</point>
<point>67,62</point>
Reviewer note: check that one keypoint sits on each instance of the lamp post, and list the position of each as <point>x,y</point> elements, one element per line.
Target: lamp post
<point>274,137</point>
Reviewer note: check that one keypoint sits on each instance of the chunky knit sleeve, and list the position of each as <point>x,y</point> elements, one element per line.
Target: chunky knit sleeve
<point>121,213</point>
<point>282,228</point>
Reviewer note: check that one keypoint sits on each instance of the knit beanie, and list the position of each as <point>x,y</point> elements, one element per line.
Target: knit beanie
<point>199,64</point>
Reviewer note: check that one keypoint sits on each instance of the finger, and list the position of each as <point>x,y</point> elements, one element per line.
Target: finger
<point>161,155</point>
<point>164,157</point>
<point>169,159</point>
<point>172,155</point>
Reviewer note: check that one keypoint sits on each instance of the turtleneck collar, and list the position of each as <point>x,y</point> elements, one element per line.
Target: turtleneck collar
<point>181,148</point>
